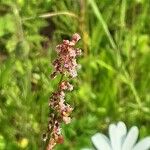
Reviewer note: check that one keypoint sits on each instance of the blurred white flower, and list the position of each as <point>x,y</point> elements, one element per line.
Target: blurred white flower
<point>120,139</point>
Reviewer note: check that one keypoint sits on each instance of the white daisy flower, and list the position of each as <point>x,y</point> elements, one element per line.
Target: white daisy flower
<point>120,139</point>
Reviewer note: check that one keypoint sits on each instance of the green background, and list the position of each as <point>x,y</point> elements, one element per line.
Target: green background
<point>113,83</point>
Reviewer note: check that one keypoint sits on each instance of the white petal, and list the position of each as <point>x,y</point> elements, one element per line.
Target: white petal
<point>117,135</point>
<point>121,134</point>
<point>122,127</point>
<point>143,144</point>
<point>101,142</point>
<point>113,136</point>
<point>130,139</point>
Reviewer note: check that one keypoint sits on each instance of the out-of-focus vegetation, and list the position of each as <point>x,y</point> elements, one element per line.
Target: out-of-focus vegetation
<point>113,83</point>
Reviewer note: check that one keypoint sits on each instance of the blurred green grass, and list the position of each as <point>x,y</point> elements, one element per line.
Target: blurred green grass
<point>113,83</point>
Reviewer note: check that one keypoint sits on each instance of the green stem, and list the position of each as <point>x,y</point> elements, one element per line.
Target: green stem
<point>133,89</point>
<point>52,14</point>
<point>137,98</point>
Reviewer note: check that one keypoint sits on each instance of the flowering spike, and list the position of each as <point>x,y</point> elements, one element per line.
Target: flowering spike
<point>66,65</point>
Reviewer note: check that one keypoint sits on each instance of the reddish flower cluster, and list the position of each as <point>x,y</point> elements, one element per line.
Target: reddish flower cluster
<point>66,61</point>
<point>57,102</point>
<point>65,64</point>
